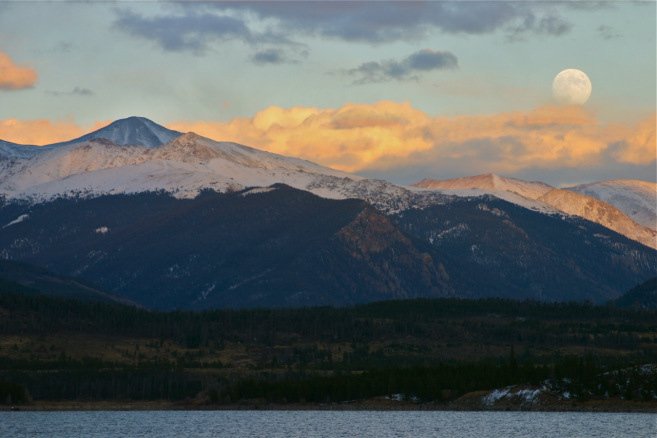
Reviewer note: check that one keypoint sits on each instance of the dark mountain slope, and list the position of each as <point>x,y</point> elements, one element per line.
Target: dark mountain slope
<point>367,259</point>
<point>641,297</point>
<point>545,257</point>
<point>284,247</point>
<point>26,278</point>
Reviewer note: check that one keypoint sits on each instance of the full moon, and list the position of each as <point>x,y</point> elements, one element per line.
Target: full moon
<point>571,87</point>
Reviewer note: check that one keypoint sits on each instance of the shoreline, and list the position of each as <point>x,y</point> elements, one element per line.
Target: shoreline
<point>599,406</point>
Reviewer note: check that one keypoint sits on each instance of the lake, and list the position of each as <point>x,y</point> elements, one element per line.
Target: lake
<point>311,424</point>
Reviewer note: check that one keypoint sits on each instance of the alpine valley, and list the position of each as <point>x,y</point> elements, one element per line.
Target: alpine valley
<point>177,221</point>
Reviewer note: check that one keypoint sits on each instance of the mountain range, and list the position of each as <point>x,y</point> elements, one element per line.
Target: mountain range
<point>623,198</point>
<point>171,220</point>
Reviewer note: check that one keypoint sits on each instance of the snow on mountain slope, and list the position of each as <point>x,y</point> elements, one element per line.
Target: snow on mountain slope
<point>189,163</point>
<point>489,182</point>
<point>10,150</point>
<point>637,199</point>
<point>183,166</point>
<point>571,203</point>
<point>130,131</point>
<point>601,213</point>
<point>186,165</point>
<point>517,191</point>
<point>511,197</point>
<point>65,162</point>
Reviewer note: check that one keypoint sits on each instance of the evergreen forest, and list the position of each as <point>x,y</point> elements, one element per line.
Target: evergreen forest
<point>428,352</point>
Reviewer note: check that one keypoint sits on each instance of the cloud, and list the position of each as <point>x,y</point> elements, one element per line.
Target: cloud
<point>424,60</point>
<point>189,31</point>
<point>347,138</point>
<point>389,137</point>
<point>638,145</point>
<point>44,131</point>
<point>270,56</point>
<point>15,77</point>
<point>608,32</point>
<point>551,24</point>
<point>278,56</point>
<point>381,22</point>
<point>194,27</point>
<point>77,91</point>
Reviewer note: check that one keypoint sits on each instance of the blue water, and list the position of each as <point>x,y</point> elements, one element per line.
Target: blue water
<point>312,424</point>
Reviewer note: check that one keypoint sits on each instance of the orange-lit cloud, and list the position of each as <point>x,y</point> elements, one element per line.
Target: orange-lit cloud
<point>15,77</point>
<point>44,131</point>
<point>386,135</point>
<point>639,145</point>
<point>348,138</point>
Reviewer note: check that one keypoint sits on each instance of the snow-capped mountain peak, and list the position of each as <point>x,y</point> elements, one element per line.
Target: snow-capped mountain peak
<point>130,131</point>
<point>128,156</point>
<point>637,199</point>
<point>184,166</point>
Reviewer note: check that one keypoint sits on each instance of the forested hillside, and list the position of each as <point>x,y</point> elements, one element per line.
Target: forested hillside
<point>427,350</point>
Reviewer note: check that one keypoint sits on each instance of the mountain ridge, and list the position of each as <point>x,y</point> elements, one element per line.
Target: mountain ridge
<point>637,199</point>
<point>128,131</point>
<point>563,200</point>
<point>189,163</point>
<point>224,224</point>
<point>285,247</point>
<point>282,247</point>
<point>640,297</point>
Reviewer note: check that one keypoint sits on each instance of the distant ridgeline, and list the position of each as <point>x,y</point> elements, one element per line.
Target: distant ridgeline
<point>643,297</point>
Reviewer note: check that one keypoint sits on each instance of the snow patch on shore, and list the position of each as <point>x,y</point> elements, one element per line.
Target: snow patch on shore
<point>524,396</point>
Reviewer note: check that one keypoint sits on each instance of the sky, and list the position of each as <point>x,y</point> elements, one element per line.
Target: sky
<point>394,90</point>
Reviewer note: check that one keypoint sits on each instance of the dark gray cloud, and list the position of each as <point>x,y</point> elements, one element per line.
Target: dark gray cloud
<point>551,24</point>
<point>194,26</point>
<point>380,22</point>
<point>189,31</point>
<point>430,60</point>
<point>406,69</point>
<point>77,91</point>
<point>608,32</point>
<point>278,56</point>
<point>270,56</point>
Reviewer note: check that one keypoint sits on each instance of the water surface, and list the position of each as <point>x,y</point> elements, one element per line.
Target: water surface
<point>314,424</point>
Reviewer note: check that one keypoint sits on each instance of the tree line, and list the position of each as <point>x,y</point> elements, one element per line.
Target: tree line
<point>426,350</point>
